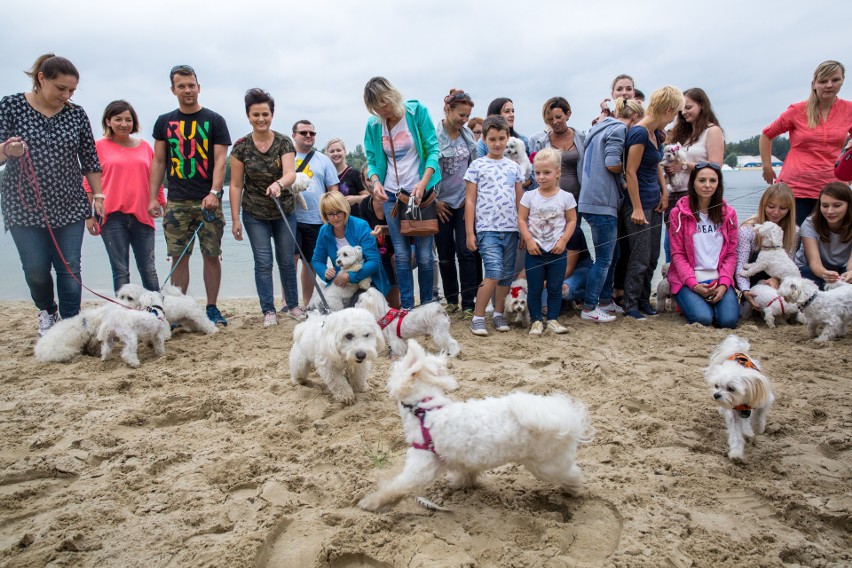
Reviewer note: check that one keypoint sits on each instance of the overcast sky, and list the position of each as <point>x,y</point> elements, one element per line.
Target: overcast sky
<point>752,58</point>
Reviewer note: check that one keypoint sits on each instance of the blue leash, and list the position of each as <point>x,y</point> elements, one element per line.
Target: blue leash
<point>207,217</point>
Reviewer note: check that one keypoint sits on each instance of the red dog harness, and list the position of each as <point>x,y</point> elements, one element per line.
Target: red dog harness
<point>393,314</point>
<point>428,444</point>
<point>780,303</point>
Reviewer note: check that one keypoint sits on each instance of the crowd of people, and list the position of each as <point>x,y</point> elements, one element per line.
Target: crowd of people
<point>494,223</point>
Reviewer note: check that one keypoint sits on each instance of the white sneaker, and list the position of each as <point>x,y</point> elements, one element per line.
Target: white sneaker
<point>553,326</point>
<point>598,315</point>
<point>270,319</point>
<point>46,321</point>
<point>537,328</point>
<point>611,308</point>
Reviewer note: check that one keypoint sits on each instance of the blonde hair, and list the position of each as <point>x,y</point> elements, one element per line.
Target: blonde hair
<point>549,154</point>
<point>665,100</point>
<point>379,92</point>
<point>823,71</point>
<point>335,201</point>
<point>335,141</point>
<point>628,108</point>
<point>782,193</point>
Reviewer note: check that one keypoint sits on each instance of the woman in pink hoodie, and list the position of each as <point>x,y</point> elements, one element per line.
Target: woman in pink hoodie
<point>703,236</point>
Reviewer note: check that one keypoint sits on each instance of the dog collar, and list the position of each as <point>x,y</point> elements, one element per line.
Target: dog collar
<point>157,311</point>
<point>743,360</point>
<point>394,314</point>
<point>780,303</point>
<point>744,410</point>
<point>771,248</point>
<point>420,412</point>
<point>515,290</point>
<point>809,301</point>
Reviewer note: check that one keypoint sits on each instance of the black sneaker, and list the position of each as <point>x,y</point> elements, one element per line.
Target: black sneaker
<point>647,309</point>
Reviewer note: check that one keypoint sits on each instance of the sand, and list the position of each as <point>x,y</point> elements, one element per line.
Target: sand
<point>210,456</point>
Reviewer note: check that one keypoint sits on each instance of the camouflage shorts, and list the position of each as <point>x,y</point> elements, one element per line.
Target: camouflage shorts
<point>181,219</point>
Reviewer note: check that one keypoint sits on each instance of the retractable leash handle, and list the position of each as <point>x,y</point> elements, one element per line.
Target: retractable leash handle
<point>413,211</point>
<point>324,308</point>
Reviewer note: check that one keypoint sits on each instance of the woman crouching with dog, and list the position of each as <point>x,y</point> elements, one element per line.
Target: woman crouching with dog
<point>339,229</point>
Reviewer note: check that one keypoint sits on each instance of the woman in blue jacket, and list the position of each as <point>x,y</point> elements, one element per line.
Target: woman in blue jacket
<point>402,155</point>
<point>339,226</point>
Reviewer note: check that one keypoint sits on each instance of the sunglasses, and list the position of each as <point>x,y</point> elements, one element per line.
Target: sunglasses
<point>711,165</point>
<point>457,97</point>
<point>182,69</point>
<point>306,133</point>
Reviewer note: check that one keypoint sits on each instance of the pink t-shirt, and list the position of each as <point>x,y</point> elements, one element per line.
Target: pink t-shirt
<point>813,151</point>
<point>125,179</point>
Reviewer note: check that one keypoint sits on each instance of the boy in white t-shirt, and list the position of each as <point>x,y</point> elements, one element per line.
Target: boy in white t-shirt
<point>492,193</point>
<point>547,217</point>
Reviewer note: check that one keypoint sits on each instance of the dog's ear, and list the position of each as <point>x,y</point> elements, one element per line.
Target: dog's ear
<point>380,336</point>
<point>359,251</point>
<point>758,391</point>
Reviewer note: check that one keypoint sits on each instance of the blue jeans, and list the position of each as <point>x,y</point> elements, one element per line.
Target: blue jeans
<point>404,270</point>
<point>498,250</point>
<point>695,308</point>
<point>540,268</point>
<point>599,282</point>
<point>578,282</point>
<point>38,253</point>
<point>122,232</point>
<point>807,273</point>
<point>262,235</point>
<point>451,244</point>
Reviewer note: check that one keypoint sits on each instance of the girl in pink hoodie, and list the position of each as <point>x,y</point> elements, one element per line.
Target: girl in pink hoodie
<point>703,236</point>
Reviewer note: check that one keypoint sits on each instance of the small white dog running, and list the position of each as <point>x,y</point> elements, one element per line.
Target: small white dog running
<point>349,259</point>
<point>465,438</point>
<point>341,347</point>
<point>398,325</point>
<point>148,323</point>
<point>828,313</point>
<point>741,390</point>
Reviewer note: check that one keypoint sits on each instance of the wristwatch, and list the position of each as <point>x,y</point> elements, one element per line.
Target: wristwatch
<point>217,194</point>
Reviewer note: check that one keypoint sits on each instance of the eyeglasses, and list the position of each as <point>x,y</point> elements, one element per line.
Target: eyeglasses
<point>334,213</point>
<point>478,131</point>
<point>711,165</point>
<point>462,96</point>
<point>306,133</point>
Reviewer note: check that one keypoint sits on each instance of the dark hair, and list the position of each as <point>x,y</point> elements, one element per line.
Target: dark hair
<point>258,97</point>
<point>495,122</point>
<point>298,122</point>
<point>114,109</point>
<point>183,70</point>
<point>496,107</point>
<point>457,97</point>
<point>51,66</point>
<point>686,133</point>
<point>717,202</point>
<point>841,192</point>
<point>553,103</point>
<point>637,94</point>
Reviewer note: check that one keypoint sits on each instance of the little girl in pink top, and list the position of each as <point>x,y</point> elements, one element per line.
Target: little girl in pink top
<point>126,223</point>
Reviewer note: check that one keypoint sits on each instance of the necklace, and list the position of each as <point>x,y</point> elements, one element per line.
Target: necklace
<point>262,145</point>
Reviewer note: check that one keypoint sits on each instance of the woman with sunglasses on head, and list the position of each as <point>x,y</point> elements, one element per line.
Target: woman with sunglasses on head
<point>57,136</point>
<point>555,112</point>
<point>126,223</point>
<point>458,149</point>
<point>818,128</point>
<point>703,237</point>
<point>402,153</point>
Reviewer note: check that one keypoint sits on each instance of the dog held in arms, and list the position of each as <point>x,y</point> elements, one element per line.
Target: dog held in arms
<point>341,347</point>
<point>349,259</point>
<point>516,151</point>
<point>398,325</point>
<point>772,258</point>
<point>741,390</point>
<point>463,439</point>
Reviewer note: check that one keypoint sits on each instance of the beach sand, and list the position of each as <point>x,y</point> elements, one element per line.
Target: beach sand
<point>210,456</point>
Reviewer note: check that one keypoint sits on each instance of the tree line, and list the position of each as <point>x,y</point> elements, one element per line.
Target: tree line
<point>750,147</point>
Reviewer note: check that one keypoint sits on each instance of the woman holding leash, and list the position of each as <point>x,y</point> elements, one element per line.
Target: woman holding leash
<point>818,128</point>
<point>47,144</point>
<point>402,156</point>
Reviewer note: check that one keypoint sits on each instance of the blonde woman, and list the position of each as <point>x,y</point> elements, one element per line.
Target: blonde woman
<point>351,185</point>
<point>402,155</point>
<point>818,128</point>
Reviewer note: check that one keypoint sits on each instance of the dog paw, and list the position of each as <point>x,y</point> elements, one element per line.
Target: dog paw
<point>346,399</point>
<point>370,503</point>
<point>736,455</point>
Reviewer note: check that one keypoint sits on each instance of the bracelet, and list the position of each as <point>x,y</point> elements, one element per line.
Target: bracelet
<point>98,196</point>
<point>280,185</point>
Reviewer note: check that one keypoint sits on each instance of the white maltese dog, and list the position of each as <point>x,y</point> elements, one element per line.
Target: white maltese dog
<point>828,313</point>
<point>463,439</point>
<point>349,259</point>
<point>741,390</point>
<point>665,300</point>
<point>772,258</point>
<point>398,325</point>
<point>775,307</point>
<point>516,309</point>
<point>71,337</point>
<point>673,153</point>
<point>180,309</point>
<point>516,151</point>
<point>127,325</point>
<point>303,181</point>
<point>341,347</point>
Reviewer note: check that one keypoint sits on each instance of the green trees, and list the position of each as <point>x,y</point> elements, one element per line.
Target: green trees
<point>750,147</point>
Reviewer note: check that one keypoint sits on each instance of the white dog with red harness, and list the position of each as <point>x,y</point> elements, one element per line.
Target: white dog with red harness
<point>463,439</point>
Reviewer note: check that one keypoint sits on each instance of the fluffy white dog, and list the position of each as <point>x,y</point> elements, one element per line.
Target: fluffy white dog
<point>516,309</point>
<point>303,181</point>
<point>349,259</point>
<point>772,258</point>
<point>465,438</point>
<point>71,337</point>
<point>129,326</point>
<point>516,151</point>
<point>341,347</point>
<point>665,300</point>
<point>180,309</point>
<point>774,306</point>
<point>673,153</point>
<point>828,313</point>
<point>741,390</point>
<point>398,325</point>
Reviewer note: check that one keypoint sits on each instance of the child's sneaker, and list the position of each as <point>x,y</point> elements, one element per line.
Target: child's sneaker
<point>477,327</point>
<point>553,326</point>
<point>537,328</point>
<point>46,321</point>
<point>611,308</point>
<point>270,319</point>
<point>500,323</point>
<point>597,315</point>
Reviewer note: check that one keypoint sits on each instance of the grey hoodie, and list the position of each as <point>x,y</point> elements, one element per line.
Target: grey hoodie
<point>602,193</point>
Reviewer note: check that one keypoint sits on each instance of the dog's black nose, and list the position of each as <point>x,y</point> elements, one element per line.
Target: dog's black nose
<point>717,395</point>
<point>360,356</point>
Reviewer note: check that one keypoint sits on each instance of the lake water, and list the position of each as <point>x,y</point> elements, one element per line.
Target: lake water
<point>742,190</point>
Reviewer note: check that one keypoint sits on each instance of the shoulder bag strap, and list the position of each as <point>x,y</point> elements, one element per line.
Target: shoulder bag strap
<point>305,161</point>
<point>393,153</point>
